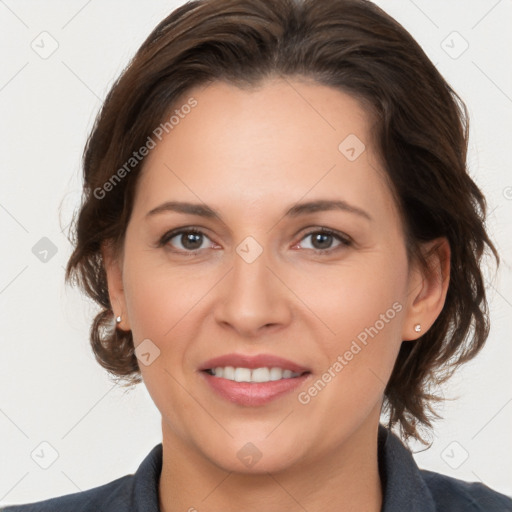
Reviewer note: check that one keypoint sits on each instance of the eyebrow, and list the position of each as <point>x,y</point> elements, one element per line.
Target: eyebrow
<point>203,210</point>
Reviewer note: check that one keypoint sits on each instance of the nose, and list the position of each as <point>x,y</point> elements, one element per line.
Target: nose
<point>253,298</point>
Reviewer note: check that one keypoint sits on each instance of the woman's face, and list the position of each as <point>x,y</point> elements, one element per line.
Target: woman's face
<point>262,280</point>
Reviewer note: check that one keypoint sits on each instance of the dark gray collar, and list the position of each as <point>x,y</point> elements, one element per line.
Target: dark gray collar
<point>402,483</point>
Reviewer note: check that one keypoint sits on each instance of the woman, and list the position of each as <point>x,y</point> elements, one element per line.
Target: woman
<point>280,229</point>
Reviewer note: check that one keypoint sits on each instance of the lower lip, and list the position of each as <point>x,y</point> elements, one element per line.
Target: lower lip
<point>253,393</point>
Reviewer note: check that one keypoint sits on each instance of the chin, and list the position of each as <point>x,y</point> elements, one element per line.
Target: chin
<point>268,463</point>
<point>240,455</point>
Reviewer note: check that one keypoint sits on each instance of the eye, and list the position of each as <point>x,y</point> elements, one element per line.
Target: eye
<point>192,240</point>
<point>322,239</point>
<point>187,240</point>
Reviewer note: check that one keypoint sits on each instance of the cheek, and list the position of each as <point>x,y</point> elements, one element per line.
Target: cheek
<point>347,299</point>
<point>159,296</point>
<point>161,304</point>
<point>359,360</point>
<point>363,308</point>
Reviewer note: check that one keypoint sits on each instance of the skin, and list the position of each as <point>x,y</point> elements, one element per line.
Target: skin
<point>250,155</point>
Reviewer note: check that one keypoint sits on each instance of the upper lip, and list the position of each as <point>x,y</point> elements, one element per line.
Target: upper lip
<point>256,361</point>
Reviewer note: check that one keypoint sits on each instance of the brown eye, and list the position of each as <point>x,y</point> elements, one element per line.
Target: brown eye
<point>185,240</point>
<point>322,240</point>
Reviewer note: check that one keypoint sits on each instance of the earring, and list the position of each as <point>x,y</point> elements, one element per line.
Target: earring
<point>118,319</point>
<point>417,327</point>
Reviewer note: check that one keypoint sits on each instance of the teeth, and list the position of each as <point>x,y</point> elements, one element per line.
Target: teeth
<point>253,375</point>
<point>228,372</point>
<point>276,373</point>
<point>260,375</point>
<point>242,375</point>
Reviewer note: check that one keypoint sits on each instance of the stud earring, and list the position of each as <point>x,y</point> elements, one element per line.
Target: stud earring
<point>417,328</point>
<point>118,319</point>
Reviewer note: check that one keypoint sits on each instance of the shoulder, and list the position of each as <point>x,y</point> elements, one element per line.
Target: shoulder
<point>451,494</point>
<point>137,491</point>
<point>113,496</point>
<point>407,487</point>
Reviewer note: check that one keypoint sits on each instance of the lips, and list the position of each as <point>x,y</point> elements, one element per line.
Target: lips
<point>252,362</point>
<point>252,394</point>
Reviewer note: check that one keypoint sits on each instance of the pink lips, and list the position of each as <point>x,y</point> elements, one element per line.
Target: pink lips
<point>253,393</point>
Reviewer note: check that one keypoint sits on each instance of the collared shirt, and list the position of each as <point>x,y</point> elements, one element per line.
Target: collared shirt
<point>406,488</point>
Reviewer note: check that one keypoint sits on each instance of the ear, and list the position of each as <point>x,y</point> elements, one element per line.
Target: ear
<point>112,263</point>
<point>427,288</point>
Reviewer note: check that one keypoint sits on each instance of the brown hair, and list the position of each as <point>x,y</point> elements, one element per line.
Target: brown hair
<point>421,134</point>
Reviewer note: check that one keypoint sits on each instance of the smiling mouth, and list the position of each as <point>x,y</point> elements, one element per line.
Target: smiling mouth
<point>253,375</point>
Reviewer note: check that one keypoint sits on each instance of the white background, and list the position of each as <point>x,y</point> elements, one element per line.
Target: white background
<point>51,388</point>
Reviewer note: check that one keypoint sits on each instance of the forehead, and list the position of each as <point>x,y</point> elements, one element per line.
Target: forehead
<point>280,141</point>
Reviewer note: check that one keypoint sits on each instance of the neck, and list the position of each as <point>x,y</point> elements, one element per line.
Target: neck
<point>344,480</point>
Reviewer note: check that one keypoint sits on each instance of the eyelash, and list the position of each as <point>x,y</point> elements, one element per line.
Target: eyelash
<point>345,241</point>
